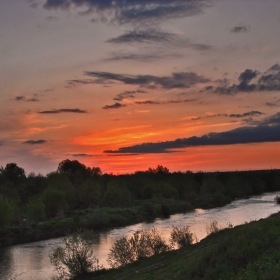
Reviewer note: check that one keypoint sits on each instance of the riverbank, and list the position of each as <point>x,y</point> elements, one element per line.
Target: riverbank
<point>103,218</point>
<point>249,251</point>
<point>92,218</point>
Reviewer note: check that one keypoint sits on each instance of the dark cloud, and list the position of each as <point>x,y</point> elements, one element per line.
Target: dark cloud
<point>247,114</point>
<point>148,102</point>
<point>114,106</point>
<point>87,82</point>
<point>177,80</point>
<point>243,115</point>
<point>133,11</point>
<point>23,98</point>
<point>266,131</point>
<point>273,104</point>
<point>59,111</point>
<point>240,29</point>
<point>34,142</point>
<point>82,155</point>
<point>268,81</point>
<point>152,35</point>
<point>128,94</point>
<point>116,56</point>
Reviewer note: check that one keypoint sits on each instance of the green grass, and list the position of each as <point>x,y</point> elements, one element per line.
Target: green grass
<point>250,251</point>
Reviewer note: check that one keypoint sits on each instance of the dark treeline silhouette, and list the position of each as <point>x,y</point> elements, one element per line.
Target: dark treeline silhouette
<point>77,196</point>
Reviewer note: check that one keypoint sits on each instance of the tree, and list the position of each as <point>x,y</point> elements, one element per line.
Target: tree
<point>36,210</point>
<point>76,257</point>
<point>76,171</point>
<point>54,201</point>
<point>7,211</point>
<point>12,172</point>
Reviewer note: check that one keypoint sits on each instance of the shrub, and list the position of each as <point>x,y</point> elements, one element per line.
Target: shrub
<point>277,199</point>
<point>76,257</point>
<point>141,244</point>
<point>213,227</point>
<point>181,237</point>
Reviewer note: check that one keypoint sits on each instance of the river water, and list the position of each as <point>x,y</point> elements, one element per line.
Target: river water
<point>31,261</point>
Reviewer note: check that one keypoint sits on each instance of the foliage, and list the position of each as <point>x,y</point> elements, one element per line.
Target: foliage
<point>54,201</point>
<point>36,210</point>
<point>141,244</point>
<point>76,257</point>
<point>213,227</point>
<point>181,237</point>
<point>7,210</point>
<point>277,199</point>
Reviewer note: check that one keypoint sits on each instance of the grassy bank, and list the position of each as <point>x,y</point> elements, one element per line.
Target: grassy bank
<point>96,219</point>
<point>249,251</point>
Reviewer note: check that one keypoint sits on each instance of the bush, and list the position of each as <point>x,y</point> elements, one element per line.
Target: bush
<point>76,257</point>
<point>181,237</point>
<point>141,244</point>
<point>213,227</point>
<point>277,199</point>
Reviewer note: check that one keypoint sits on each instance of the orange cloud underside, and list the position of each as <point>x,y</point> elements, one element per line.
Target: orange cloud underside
<point>207,158</point>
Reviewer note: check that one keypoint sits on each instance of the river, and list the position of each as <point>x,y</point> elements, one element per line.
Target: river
<point>31,261</point>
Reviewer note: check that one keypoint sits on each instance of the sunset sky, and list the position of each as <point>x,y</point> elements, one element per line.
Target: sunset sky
<point>129,84</point>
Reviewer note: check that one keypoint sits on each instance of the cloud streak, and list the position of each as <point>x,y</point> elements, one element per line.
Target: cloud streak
<point>60,111</point>
<point>34,142</point>
<point>156,36</point>
<point>267,130</point>
<point>133,11</point>
<point>114,106</point>
<point>177,80</point>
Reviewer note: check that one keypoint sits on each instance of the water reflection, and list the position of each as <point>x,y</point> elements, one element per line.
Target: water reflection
<point>31,261</point>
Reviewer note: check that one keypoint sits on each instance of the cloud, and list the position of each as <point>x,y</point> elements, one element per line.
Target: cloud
<point>128,94</point>
<point>273,104</point>
<point>23,98</point>
<point>240,29</point>
<point>82,155</point>
<point>267,81</point>
<point>114,106</point>
<point>148,102</point>
<point>177,80</point>
<point>266,131</point>
<point>59,111</point>
<point>116,56</point>
<point>87,82</point>
<point>157,36</point>
<point>34,142</point>
<point>247,114</point>
<point>133,11</point>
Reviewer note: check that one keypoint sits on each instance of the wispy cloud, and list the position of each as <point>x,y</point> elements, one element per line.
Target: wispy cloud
<point>240,29</point>
<point>114,106</point>
<point>24,99</point>
<point>128,94</point>
<point>267,130</point>
<point>59,111</point>
<point>156,36</point>
<point>133,11</point>
<point>34,142</point>
<point>81,155</point>
<point>177,80</point>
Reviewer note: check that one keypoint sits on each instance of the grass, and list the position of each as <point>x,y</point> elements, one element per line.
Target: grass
<point>249,251</point>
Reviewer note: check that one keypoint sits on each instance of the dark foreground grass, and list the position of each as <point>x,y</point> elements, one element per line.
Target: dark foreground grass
<point>250,251</point>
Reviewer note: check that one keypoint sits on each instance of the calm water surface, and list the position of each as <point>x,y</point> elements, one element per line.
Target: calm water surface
<point>31,261</point>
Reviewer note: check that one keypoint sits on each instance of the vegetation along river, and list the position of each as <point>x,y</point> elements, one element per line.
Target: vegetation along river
<point>31,261</point>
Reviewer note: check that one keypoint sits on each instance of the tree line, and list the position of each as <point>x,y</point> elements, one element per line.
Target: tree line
<point>74,186</point>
